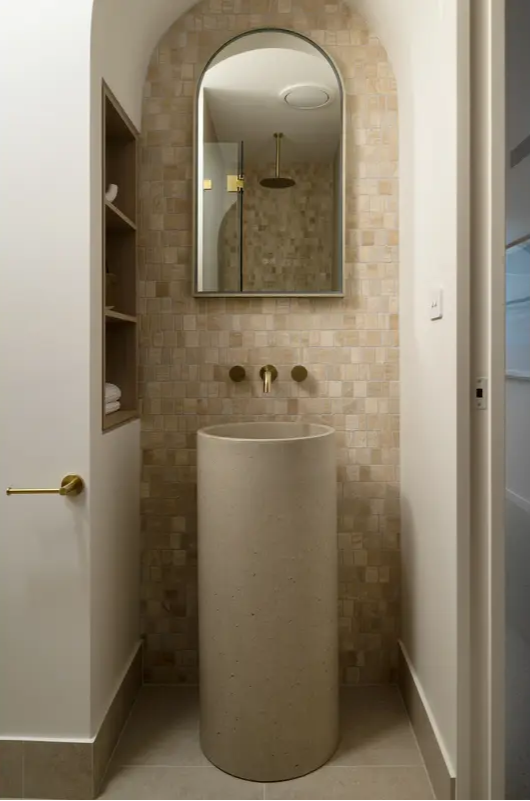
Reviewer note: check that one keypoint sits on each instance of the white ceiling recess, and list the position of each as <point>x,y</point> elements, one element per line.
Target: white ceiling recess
<point>244,88</point>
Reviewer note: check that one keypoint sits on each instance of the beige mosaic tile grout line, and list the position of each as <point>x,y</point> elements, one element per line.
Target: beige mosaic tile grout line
<point>350,346</point>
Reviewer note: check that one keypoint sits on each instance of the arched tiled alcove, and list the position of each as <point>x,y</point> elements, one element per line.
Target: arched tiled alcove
<point>350,345</point>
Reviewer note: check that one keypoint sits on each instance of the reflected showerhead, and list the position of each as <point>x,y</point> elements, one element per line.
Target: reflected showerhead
<point>278,181</point>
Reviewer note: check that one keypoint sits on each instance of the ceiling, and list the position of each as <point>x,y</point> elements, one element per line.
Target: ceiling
<point>243,88</point>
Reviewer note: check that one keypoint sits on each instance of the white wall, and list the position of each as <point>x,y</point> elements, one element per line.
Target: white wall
<point>115,455</point>
<point>44,346</point>
<point>422,41</point>
<point>430,377</point>
<point>125,59</point>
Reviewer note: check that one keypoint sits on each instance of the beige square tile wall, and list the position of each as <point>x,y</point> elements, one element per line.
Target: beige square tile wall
<point>350,346</point>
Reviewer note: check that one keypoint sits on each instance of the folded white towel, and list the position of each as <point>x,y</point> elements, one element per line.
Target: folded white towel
<point>112,393</point>
<point>113,406</point>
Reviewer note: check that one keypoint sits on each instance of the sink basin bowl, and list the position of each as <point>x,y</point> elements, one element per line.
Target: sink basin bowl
<point>268,594</point>
<point>249,432</point>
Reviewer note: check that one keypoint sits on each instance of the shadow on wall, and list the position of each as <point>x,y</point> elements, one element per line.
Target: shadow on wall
<point>408,569</point>
<point>349,345</point>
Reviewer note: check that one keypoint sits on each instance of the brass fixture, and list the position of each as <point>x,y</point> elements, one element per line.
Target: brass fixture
<point>278,181</point>
<point>235,183</point>
<point>207,184</point>
<point>299,373</point>
<point>268,374</point>
<point>237,373</point>
<point>70,485</point>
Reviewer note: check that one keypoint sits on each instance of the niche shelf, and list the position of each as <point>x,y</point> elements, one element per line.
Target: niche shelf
<point>119,301</point>
<point>116,220</point>
<point>112,316</point>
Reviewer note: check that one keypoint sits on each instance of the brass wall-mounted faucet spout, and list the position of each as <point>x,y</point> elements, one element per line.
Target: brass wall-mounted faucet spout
<point>268,374</point>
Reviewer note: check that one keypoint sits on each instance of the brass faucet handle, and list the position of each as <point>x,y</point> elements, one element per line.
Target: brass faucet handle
<point>299,373</point>
<point>237,373</point>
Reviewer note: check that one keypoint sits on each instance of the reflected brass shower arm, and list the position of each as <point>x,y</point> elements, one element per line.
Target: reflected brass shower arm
<point>278,137</point>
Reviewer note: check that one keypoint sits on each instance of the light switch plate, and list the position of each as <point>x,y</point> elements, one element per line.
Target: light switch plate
<point>437,304</point>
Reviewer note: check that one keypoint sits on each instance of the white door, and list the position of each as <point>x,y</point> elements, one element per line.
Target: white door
<point>44,373</point>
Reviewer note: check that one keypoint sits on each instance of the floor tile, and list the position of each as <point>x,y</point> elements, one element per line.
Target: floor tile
<point>163,729</point>
<point>380,699</point>
<point>152,743</point>
<point>375,729</point>
<point>353,783</point>
<point>178,706</point>
<point>159,754</point>
<point>178,783</point>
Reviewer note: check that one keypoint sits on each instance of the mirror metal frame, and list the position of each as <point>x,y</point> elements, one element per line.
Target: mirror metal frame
<point>339,293</point>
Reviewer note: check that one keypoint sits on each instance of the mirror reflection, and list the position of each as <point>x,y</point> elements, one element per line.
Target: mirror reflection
<point>269,169</point>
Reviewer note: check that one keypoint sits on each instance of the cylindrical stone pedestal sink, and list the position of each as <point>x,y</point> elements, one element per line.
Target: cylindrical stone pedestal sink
<point>268,598</point>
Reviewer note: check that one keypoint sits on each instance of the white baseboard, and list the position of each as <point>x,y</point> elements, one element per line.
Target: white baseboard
<point>121,678</point>
<point>437,761</point>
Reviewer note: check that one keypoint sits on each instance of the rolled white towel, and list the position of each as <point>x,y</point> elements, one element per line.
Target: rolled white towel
<point>113,406</point>
<point>112,193</point>
<point>112,393</point>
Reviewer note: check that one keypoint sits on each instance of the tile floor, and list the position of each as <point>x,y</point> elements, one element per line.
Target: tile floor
<point>159,755</point>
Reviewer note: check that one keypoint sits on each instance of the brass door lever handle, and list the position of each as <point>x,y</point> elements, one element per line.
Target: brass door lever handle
<point>70,485</point>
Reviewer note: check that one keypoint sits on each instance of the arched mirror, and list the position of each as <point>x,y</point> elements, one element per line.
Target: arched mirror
<point>269,176</point>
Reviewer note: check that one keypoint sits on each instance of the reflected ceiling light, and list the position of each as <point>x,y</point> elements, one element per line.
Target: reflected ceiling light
<point>306,97</point>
